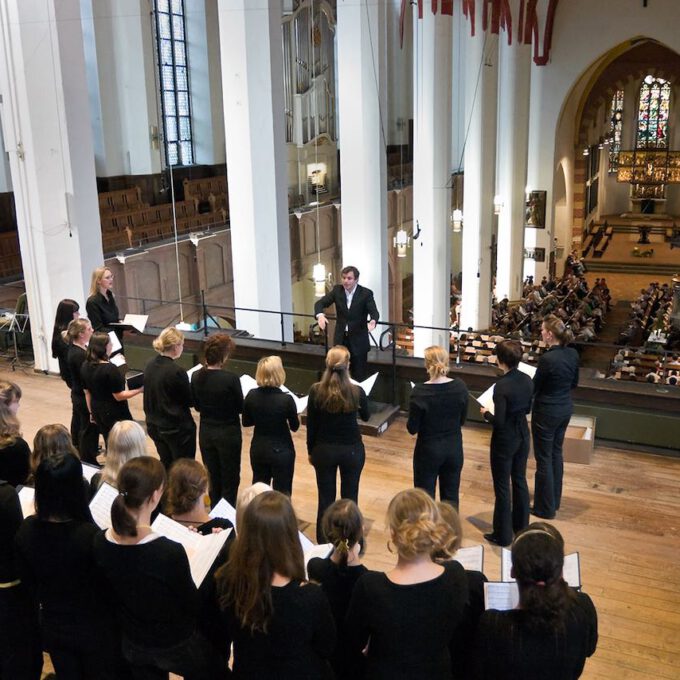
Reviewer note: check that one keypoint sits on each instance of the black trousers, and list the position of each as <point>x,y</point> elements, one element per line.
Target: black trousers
<point>221,452</point>
<point>84,433</point>
<point>327,458</point>
<point>20,649</point>
<point>273,463</point>
<point>358,361</point>
<point>548,437</point>
<point>509,471</point>
<point>439,459</point>
<point>173,443</point>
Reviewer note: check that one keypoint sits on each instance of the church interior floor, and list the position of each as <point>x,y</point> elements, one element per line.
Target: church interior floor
<point>621,247</point>
<point>620,513</point>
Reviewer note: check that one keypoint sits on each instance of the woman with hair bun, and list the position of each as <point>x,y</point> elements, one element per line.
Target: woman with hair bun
<point>554,628</point>
<point>150,580</point>
<point>14,451</point>
<point>333,437</point>
<point>437,411</point>
<point>556,377</point>
<point>274,415</point>
<point>167,400</point>
<point>218,397</point>
<point>343,525</point>
<point>408,616</point>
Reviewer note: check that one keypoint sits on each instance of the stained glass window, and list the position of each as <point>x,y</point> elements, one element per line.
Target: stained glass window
<point>615,129</point>
<point>174,82</point>
<point>655,99</point>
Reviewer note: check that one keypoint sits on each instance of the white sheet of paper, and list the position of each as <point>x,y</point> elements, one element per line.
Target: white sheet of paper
<point>412,385</point>
<point>193,370</point>
<point>89,471</point>
<point>137,321</point>
<point>27,500</point>
<point>300,402</point>
<point>322,551</point>
<point>471,558</point>
<point>201,550</point>
<point>305,542</point>
<point>224,510</point>
<point>571,572</point>
<point>526,368</point>
<point>100,505</point>
<point>485,399</point>
<point>115,342</point>
<point>247,384</point>
<point>366,385</point>
<point>501,596</point>
<point>118,360</point>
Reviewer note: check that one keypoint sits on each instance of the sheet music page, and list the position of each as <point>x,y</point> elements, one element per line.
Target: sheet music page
<point>118,359</point>
<point>485,399</point>
<point>571,572</point>
<point>193,370</point>
<point>300,402</point>
<point>115,342</point>
<point>137,321</point>
<point>167,527</point>
<point>506,565</point>
<point>366,385</point>
<point>247,384</point>
<point>89,471</point>
<point>471,558</point>
<point>27,501</point>
<point>305,542</point>
<point>412,384</point>
<point>527,368</point>
<point>100,505</point>
<point>224,510</point>
<point>501,596</point>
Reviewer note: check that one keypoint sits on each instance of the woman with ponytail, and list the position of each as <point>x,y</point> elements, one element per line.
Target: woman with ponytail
<point>554,628</point>
<point>343,525</point>
<point>556,377</point>
<point>437,411</point>
<point>408,616</point>
<point>333,436</point>
<point>150,579</point>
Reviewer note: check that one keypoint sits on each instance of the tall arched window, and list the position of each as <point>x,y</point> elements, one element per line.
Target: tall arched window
<point>653,110</point>
<point>615,130</point>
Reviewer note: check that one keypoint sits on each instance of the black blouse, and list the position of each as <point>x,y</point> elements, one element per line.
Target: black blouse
<point>217,396</point>
<point>103,381</point>
<point>333,428</point>
<point>272,412</point>
<point>437,409</point>
<point>102,311</point>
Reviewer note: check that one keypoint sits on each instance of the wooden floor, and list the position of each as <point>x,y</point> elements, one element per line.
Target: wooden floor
<point>622,514</point>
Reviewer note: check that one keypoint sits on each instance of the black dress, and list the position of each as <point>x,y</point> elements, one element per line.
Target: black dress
<point>509,452</point>
<point>102,381</point>
<point>436,414</point>
<point>508,648</point>
<point>299,640</point>
<point>338,584</point>
<point>334,442</point>
<point>60,352</point>
<point>556,377</point>
<point>410,627</point>
<point>14,462</point>
<point>84,432</point>
<point>102,312</point>
<point>272,453</point>
<point>218,397</point>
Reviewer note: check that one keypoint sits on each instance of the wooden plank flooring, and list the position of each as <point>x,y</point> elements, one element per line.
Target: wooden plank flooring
<point>622,513</point>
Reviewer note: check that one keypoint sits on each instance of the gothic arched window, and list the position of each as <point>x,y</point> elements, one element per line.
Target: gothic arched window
<point>653,111</point>
<point>615,129</point>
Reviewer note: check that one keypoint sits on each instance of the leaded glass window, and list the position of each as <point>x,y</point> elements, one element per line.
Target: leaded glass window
<point>653,110</point>
<point>615,129</point>
<point>173,74</point>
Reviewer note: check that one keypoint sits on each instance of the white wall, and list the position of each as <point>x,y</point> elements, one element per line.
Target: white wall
<point>5,176</point>
<point>399,62</point>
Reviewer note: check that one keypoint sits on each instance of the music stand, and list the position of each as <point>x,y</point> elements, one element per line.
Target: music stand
<point>17,325</point>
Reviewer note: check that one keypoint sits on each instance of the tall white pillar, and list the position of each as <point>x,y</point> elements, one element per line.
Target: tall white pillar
<point>431,175</point>
<point>514,77</point>
<point>252,86</point>
<point>479,165</point>
<point>46,126</point>
<point>361,98</point>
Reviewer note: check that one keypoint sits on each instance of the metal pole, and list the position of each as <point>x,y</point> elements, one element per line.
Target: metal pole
<point>205,314</point>
<point>394,366</point>
<point>283,331</point>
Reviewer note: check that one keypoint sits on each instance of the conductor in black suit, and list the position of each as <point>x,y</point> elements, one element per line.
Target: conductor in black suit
<point>354,304</point>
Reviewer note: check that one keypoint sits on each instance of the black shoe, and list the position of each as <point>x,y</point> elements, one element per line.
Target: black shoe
<point>492,538</point>
<point>536,514</point>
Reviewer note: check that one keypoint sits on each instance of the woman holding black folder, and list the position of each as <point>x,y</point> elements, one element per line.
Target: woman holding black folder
<point>102,310</point>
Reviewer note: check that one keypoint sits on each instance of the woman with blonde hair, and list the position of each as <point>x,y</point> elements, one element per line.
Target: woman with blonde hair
<point>126,441</point>
<point>14,451</point>
<point>437,411</point>
<point>167,400</point>
<point>333,437</point>
<point>274,415</point>
<point>101,307</point>
<point>281,626</point>
<point>411,613</point>
<point>218,397</point>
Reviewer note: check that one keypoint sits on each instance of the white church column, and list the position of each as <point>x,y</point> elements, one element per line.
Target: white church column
<point>431,173</point>
<point>514,71</point>
<point>252,86</point>
<point>479,165</point>
<point>361,76</point>
<point>46,127</point>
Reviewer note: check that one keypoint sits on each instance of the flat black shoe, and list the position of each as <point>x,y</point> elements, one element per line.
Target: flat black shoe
<point>492,538</point>
<point>536,514</point>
